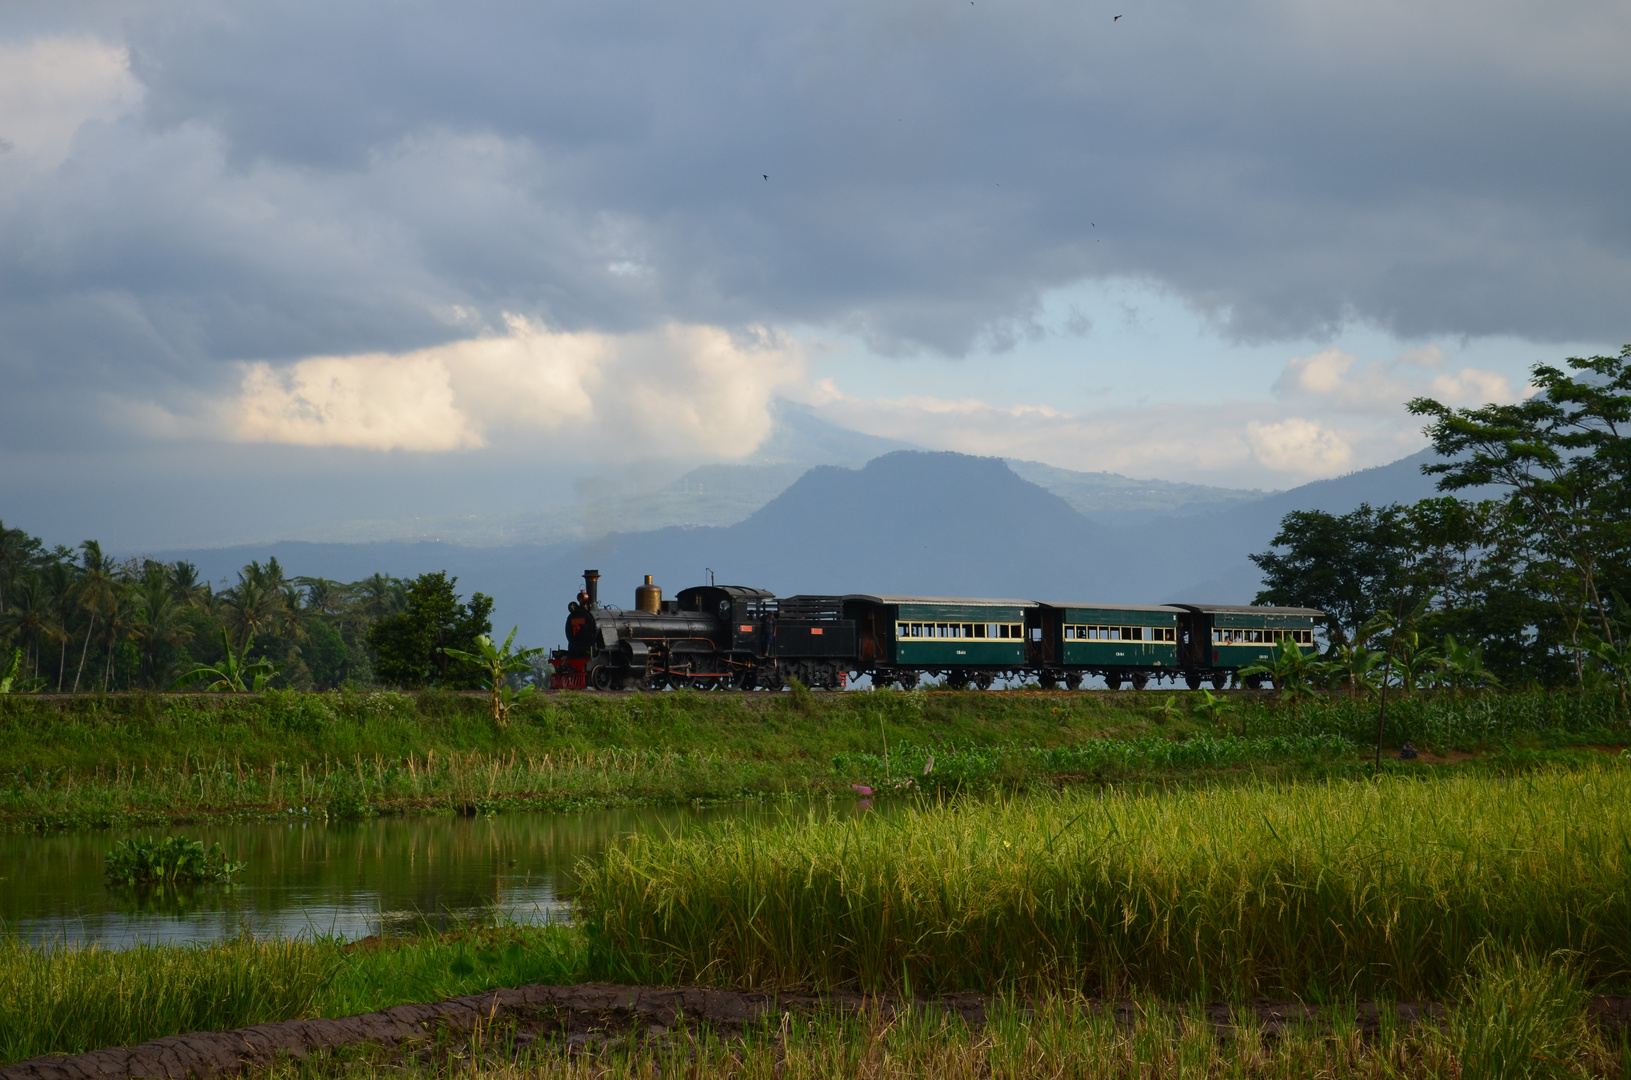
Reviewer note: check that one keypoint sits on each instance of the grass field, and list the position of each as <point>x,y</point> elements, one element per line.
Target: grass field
<point>149,759</point>
<point>1371,888</point>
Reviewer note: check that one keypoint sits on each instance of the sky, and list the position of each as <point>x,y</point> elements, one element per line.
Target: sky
<point>265,266</point>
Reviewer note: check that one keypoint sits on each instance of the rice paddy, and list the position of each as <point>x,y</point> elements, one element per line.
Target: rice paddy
<point>1331,891</point>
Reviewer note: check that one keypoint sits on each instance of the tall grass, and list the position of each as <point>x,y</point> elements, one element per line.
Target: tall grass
<point>67,999</point>
<point>1345,889</point>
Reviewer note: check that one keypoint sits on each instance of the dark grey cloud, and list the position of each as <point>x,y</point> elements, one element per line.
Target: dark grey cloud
<point>314,178</point>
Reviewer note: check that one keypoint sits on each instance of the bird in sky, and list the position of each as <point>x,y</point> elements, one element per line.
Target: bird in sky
<point>765,175</point>
<point>1117,17</point>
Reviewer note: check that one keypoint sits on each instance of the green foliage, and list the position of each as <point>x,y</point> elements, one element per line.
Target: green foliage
<point>175,860</point>
<point>411,646</point>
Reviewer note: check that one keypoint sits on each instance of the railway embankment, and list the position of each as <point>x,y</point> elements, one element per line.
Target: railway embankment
<point>146,759</point>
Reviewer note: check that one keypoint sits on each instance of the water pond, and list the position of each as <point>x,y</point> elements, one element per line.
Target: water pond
<point>349,879</point>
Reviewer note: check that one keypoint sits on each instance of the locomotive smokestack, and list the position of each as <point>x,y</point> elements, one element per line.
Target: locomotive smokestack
<point>591,585</point>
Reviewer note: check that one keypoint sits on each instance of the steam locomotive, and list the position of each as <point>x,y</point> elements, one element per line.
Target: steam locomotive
<point>717,637</point>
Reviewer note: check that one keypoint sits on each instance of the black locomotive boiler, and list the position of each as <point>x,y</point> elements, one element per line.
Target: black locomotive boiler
<point>709,637</point>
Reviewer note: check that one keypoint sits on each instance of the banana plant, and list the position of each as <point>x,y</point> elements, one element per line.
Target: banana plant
<point>1216,707</point>
<point>1463,666</point>
<point>499,663</point>
<point>235,674</point>
<point>10,683</point>
<point>1291,669</point>
<point>1614,662</point>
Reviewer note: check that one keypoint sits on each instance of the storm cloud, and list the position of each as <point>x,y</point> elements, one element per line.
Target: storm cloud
<point>192,195</point>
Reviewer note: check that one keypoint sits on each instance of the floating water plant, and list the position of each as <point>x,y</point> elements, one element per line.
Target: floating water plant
<point>175,860</point>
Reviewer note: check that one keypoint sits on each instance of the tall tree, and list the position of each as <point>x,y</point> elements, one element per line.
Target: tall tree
<point>94,594</point>
<point>1344,565</point>
<point>1564,456</point>
<point>410,646</point>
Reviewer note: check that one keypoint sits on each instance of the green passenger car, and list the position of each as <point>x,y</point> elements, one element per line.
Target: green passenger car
<point>939,633</point>
<point>1233,636</point>
<point>1100,637</point>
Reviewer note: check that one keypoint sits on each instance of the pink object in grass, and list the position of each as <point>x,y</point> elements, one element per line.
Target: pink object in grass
<point>861,789</point>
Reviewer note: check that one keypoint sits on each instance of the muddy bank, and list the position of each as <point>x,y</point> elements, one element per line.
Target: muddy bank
<point>594,1013</point>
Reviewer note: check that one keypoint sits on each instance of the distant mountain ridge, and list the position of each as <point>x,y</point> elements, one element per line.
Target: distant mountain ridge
<point>905,522</point>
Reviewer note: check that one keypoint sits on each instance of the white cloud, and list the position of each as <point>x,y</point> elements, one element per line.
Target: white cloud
<point>1299,445</point>
<point>1339,381</point>
<point>679,390</point>
<point>374,402</point>
<point>50,86</point>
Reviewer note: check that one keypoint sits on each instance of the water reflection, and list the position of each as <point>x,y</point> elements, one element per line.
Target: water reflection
<point>349,878</point>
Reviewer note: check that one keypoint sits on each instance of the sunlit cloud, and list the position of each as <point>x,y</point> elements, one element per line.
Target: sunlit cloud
<point>679,390</point>
<point>1338,380</point>
<point>51,86</point>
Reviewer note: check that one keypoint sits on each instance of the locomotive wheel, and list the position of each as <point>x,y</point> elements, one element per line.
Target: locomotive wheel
<point>747,680</point>
<point>983,680</point>
<point>1220,679</point>
<point>1254,682</point>
<point>1047,681</point>
<point>1073,681</point>
<point>604,678</point>
<point>1140,680</point>
<point>957,680</point>
<point>1112,681</point>
<point>1192,679</point>
<point>907,679</point>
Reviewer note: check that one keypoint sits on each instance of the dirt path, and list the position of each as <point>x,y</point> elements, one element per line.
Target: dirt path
<point>594,1012</point>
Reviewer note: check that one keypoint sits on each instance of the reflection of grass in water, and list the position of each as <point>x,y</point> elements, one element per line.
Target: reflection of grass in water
<point>168,897</point>
<point>68,999</point>
<point>1044,1039</point>
<point>1383,887</point>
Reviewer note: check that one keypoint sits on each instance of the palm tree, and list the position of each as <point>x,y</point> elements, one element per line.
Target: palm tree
<point>120,623</point>
<point>161,621</point>
<point>382,595</point>
<point>58,577</point>
<point>254,605</point>
<point>93,594</point>
<point>17,551</point>
<point>186,587</point>
<point>32,617</point>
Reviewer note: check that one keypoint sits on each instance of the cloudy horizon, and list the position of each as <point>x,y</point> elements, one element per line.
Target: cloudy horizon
<point>264,268</point>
